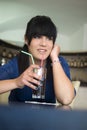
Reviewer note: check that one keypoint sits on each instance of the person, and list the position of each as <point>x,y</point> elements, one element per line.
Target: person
<point>18,76</point>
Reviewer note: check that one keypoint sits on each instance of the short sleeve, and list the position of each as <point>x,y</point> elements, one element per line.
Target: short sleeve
<point>65,66</point>
<point>9,70</point>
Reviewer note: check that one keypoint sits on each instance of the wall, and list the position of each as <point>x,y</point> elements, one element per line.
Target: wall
<point>76,42</point>
<point>85,37</point>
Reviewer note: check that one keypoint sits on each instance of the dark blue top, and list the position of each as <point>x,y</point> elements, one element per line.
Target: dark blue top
<point>10,71</point>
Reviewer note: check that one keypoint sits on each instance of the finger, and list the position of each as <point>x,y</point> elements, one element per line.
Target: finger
<point>31,85</point>
<point>33,75</point>
<point>34,81</point>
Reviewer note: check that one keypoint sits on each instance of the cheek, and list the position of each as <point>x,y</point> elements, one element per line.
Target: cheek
<point>31,47</point>
<point>51,47</point>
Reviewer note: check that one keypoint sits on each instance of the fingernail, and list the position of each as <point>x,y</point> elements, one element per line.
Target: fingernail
<point>36,88</point>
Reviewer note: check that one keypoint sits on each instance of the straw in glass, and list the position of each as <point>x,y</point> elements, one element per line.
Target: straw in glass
<point>29,54</point>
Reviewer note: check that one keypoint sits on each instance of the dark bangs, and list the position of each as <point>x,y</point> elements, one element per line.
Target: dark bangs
<point>39,26</point>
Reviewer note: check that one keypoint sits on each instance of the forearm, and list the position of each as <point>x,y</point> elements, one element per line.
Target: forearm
<point>7,85</point>
<point>63,87</point>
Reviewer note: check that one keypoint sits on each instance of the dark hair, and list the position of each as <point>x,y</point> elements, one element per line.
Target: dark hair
<point>41,25</point>
<point>37,26</point>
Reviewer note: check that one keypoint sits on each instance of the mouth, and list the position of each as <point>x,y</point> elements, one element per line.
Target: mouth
<point>42,51</point>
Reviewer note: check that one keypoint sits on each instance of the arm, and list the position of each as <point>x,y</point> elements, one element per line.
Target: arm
<point>7,85</point>
<point>63,87</point>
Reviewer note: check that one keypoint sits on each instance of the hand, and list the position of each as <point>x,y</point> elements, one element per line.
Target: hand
<point>29,78</point>
<point>55,52</point>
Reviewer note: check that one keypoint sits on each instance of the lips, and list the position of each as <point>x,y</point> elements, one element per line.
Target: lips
<point>42,50</point>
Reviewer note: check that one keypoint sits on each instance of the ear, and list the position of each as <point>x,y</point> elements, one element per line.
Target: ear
<point>26,41</point>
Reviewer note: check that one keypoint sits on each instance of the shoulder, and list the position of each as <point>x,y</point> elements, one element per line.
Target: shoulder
<point>65,66</point>
<point>11,65</point>
<point>12,62</point>
<point>10,69</point>
<point>63,61</point>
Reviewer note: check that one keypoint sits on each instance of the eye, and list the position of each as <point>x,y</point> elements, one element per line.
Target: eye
<point>37,36</point>
<point>50,38</point>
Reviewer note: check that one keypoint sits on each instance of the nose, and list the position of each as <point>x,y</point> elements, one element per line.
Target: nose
<point>43,41</point>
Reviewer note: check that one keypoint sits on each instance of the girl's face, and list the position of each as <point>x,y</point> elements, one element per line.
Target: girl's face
<point>40,47</point>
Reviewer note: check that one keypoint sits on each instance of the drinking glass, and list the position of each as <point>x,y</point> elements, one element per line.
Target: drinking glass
<point>40,92</point>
